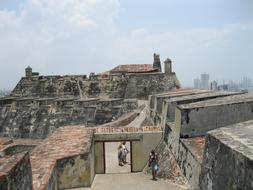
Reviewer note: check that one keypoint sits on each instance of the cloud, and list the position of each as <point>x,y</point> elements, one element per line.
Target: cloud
<point>46,34</point>
<point>217,50</point>
<point>78,37</point>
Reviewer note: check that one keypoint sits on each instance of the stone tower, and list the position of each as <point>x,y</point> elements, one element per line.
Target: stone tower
<point>28,71</point>
<point>167,66</point>
<point>157,62</point>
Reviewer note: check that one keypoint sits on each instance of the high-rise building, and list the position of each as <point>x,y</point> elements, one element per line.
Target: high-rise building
<point>205,81</point>
<point>214,86</point>
<point>197,83</point>
<point>246,83</point>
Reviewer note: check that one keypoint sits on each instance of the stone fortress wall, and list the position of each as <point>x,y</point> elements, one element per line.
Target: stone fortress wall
<point>206,136</point>
<point>38,117</point>
<point>130,81</point>
<point>40,104</point>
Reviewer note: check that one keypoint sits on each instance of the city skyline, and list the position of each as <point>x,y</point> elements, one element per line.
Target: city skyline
<point>205,81</point>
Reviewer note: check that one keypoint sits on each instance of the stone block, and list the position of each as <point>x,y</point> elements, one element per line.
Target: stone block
<point>228,158</point>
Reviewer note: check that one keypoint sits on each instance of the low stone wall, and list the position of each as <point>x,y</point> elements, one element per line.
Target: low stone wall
<point>173,102</point>
<point>13,146</point>
<point>190,156</point>
<point>122,121</point>
<point>73,172</point>
<point>15,172</point>
<point>198,118</point>
<point>157,102</point>
<point>228,158</point>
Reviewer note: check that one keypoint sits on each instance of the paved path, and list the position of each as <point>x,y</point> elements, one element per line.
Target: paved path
<point>130,181</point>
<point>140,118</point>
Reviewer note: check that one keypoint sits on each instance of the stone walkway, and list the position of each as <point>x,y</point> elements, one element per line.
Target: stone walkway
<point>111,159</point>
<point>140,118</point>
<point>130,181</point>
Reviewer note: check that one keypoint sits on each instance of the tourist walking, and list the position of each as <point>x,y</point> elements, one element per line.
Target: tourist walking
<point>153,163</point>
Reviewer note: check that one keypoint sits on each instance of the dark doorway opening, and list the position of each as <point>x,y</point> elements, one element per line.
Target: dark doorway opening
<point>111,158</point>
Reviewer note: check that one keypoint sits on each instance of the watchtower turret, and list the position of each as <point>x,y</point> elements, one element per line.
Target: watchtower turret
<point>28,71</point>
<point>167,66</point>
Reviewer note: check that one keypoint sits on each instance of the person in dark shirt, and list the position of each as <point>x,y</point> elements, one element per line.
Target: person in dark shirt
<point>153,163</point>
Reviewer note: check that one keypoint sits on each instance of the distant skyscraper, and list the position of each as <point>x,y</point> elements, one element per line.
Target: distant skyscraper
<point>214,86</point>
<point>197,83</point>
<point>246,83</point>
<point>205,81</point>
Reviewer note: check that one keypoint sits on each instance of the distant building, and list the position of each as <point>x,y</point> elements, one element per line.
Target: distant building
<point>205,81</point>
<point>246,83</point>
<point>223,87</point>
<point>197,83</point>
<point>214,86</point>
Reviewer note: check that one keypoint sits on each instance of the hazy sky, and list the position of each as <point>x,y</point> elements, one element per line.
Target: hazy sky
<point>81,36</point>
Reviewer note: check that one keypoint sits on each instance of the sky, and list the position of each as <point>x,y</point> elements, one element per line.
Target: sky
<point>62,37</point>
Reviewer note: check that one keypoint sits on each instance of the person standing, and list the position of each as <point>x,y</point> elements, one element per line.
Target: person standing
<point>125,151</point>
<point>153,163</point>
<point>120,154</point>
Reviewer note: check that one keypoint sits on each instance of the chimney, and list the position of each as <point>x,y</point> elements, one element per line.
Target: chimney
<point>157,62</point>
<point>167,66</point>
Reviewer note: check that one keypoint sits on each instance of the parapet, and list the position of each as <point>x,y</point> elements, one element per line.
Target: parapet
<point>15,171</point>
<point>228,158</point>
<point>196,119</point>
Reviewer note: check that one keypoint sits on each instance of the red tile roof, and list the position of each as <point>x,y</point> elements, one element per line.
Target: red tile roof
<point>64,142</point>
<point>134,68</point>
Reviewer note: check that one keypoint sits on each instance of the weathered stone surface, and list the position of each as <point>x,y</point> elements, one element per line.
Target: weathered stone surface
<point>115,86</point>
<point>157,62</point>
<point>198,118</point>
<point>14,146</point>
<point>142,85</point>
<point>187,153</point>
<point>15,172</point>
<point>228,158</point>
<point>36,118</point>
<point>173,102</point>
<point>190,156</point>
<point>159,107</point>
